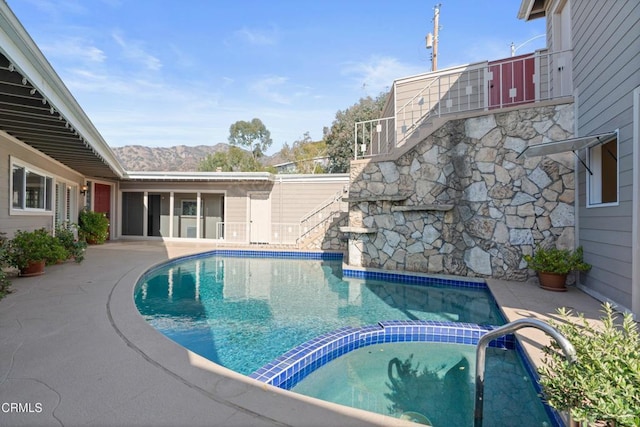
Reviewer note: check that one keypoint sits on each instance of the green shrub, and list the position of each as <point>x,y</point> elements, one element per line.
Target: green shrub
<point>93,226</point>
<point>75,248</point>
<point>555,260</point>
<point>604,384</point>
<point>37,245</point>
<point>5,283</point>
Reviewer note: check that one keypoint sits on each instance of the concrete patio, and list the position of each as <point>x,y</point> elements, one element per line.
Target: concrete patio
<point>74,351</point>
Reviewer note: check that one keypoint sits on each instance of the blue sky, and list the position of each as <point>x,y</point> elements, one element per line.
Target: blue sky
<point>164,73</point>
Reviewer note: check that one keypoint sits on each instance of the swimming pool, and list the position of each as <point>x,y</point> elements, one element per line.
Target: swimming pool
<point>243,309</point>
<point>280,316</point>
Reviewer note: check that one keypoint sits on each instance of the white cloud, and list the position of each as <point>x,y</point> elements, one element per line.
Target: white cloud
<point>74,48</point>
<point>59,7</point>
<point>271,88</point>
<point>134,51</point>
<point>378,73</point>
<point>258,37</point>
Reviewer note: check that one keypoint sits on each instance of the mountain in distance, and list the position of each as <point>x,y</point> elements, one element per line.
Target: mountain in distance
<point>182,158</point>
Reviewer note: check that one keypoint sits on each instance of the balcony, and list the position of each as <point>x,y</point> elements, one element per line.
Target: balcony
<point>416,103</point>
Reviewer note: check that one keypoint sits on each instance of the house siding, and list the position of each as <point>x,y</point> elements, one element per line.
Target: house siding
<point>290,201</point>
<point>448,85</point>
<point>9,148</point>
<point>290,197</point>
<point>236,194</point>
<point>606,68</point>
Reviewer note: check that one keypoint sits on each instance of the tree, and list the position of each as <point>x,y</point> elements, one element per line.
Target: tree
<point>340,137</point>
<point>234,160</point>
<point>253,134</point>
<point>305,153</point>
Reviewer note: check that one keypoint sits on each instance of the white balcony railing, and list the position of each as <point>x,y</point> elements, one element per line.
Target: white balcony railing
<point>322,214</point>
<point>239,232</point>
<point>488,85</point>
<point>286,233</point>
<point>233,232</point>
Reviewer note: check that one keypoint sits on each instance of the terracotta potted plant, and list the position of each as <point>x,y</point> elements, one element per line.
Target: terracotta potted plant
<point>93,227</point>
<point>553,265</point>
<point>29,251</point>
<point>602,388</point>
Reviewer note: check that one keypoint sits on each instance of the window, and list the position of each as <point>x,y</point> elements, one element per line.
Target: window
<point>66,211</point>
<point>602,182</point>
<point>189,207</point>
<point>31,190</point>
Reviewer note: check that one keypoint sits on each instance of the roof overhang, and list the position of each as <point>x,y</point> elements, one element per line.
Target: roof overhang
<point>572,144</point>
<point>532,9</point>
<point>37,108</point>
<point>199,176</point>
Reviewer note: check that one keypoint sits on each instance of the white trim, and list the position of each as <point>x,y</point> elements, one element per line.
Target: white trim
<point>597,295</point>
<point>145,214</point>
<point>525,9</point>
<point>312,178</point>
<point>593,182</point>
<point>201,176</point>
<point>463,67</point>
<point>249,214</point>
<point>28,167</point>
<point>565,145</point>
<point>172,203</point>
<point>114,225</point>
<point>635,201</point>
<point>232,176</point>
<point>24,54</point>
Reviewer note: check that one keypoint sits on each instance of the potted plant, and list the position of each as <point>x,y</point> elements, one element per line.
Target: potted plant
<point>75,248</point>
<point>93,226</point>
<point>29,251</point>
<point>603,386</point>
<point>553,265</point>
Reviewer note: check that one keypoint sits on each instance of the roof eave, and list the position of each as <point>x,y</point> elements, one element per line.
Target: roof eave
<point>21,50</point>
<point>199,176</point>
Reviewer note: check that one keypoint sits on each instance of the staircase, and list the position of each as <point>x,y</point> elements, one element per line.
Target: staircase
<point>416,103</point>
<point>315,224</point>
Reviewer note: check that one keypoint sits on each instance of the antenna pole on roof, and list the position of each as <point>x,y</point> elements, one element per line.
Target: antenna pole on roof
<point>432,39</point>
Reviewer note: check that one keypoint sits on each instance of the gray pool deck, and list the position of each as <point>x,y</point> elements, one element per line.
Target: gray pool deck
<point>75,352</point>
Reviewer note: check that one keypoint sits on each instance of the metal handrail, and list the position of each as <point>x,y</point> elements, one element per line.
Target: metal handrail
<point>322,205</point>
<point>565,345</point>
<point>329,204</point>
<point>443,96</point>
<point>410,102</point>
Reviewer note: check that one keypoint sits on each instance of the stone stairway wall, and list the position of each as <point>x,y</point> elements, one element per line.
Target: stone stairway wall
<point>328,236</point>
<point>502,205</point>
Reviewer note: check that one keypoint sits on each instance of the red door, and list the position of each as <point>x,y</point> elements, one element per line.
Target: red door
<point>512,81</point>
<point>102,201</point>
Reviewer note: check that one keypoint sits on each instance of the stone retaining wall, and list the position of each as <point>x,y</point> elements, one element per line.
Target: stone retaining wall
<point>501,206</point>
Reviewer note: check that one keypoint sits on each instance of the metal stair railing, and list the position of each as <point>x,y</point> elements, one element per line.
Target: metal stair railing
<point>320,215</point>
<point>565,345</point>
<point>465,89</point>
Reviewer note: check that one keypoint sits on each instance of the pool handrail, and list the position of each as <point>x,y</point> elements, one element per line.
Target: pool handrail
<point>565,345</point>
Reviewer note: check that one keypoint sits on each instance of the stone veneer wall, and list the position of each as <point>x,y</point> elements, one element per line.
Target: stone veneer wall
<point>502,206</point>
<point>329,237</point>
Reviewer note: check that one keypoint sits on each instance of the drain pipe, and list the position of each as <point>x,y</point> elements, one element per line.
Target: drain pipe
<point>565,345</point>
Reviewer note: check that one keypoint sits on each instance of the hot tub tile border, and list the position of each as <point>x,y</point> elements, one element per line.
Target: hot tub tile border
<point>294,365</point>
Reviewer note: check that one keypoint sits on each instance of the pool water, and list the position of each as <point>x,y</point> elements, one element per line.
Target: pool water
<point>430,383</point>
<point>244,312</point>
